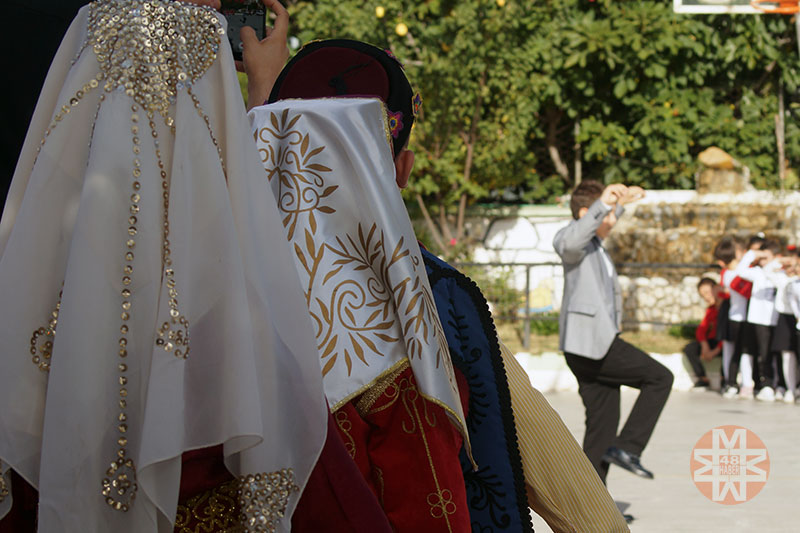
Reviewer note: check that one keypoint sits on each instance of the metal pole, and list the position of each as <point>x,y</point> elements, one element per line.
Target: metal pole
<point>526,338</point>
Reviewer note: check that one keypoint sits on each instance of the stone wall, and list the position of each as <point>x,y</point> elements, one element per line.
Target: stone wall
<point>654,303</point>
<point>686,232</point>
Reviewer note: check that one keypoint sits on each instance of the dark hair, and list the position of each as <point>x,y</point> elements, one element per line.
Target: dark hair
<point>758,238</point>
<point>707,281</point>
<point>725,250</point>
<point>585,195</point>
<point>773,246</point>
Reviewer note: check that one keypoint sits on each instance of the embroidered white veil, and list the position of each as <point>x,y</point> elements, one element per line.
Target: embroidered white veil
<point>330,166</point>
<point>147,307</point>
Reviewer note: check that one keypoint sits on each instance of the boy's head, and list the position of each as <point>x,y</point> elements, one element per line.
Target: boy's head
<point>343,67</point>
<point>708,289</point>
<point>725,252</point>
<point>756,241</point>
<point>771,249</point>
<point>584,195</point>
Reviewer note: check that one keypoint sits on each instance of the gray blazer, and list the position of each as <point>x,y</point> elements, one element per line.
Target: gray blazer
<point>591,309</point>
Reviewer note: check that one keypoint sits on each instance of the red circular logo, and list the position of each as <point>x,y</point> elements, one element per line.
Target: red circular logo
<point>729,465</point>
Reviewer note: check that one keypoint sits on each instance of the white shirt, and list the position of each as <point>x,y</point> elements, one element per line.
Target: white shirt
<point>762,298</point>
<point>738,303</point>
<point>782,282</point>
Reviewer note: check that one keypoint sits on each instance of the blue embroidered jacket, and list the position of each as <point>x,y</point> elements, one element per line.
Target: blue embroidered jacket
<point>496,491</point>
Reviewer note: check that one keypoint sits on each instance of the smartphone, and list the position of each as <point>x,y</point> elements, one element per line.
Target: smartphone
<point>241,13</point>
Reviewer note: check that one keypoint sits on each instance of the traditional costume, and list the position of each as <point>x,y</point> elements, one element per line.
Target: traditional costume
<point>149,305</point>
<point>386,341</point>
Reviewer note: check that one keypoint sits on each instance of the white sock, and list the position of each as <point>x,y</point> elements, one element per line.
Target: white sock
<point>746,369</point>
<point>727,355</point>
<point>789,369</point>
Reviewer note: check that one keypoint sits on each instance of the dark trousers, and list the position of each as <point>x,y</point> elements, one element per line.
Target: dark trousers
<point>599,382</point>
<point>737,331</point>
<point>692,351</point>
<point>763,369</point>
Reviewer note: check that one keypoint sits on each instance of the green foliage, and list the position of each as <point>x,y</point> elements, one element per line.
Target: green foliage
<point>505,82</point>
<point>545,324</point>
<point>683,331</point>
<point>497,286</point>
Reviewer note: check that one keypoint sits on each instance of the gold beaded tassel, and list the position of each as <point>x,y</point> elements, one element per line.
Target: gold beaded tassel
<point>119,485</point>
<point>173,334</point>
<point>42,340</point>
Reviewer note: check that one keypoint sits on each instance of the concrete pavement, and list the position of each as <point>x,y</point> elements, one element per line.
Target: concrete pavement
<point>671,502</point>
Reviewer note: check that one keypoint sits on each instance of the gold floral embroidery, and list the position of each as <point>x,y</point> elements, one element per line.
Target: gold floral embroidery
<point>301,188</point>
<point>363,299</point>
<point>213,510</point>
<point>378,474</point>
<point>441,503</point>
<point>43,338</point>
<point>345,426</point>
<point>264,497</point>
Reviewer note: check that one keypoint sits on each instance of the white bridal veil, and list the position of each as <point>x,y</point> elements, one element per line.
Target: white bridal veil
<point>149,304</point>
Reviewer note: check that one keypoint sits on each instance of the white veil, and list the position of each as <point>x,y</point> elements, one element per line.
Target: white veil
<point>147,307</point>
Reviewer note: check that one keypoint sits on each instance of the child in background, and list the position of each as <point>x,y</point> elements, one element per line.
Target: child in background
<point>789,299</point>
<point>706,347</point>
<point>727,253</point>
<point>761,314</point>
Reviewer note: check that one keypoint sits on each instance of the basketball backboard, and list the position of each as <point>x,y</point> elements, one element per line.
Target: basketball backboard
<point>714,7</point>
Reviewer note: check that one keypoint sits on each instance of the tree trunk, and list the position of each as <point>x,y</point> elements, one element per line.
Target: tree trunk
<point>553,116</point>
<point>436,235</point>
<point>470,140</point>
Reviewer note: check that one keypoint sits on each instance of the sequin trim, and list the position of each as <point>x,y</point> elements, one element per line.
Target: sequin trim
<point>3,485</point>
<point>264,498</point>
<point>151,50</point>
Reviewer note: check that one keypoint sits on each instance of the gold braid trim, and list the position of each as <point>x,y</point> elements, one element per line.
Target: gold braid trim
<point>379,387</point>
<point>338,405</point>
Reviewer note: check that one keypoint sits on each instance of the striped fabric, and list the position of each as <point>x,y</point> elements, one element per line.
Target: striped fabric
<point>563,487</point>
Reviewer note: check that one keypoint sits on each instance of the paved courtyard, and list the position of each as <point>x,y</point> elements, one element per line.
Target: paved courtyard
<point>672,503</point>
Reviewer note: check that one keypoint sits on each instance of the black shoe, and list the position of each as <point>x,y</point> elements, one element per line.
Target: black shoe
<point>628,461</point>
<point>628,518</point>
<point>701,385</point>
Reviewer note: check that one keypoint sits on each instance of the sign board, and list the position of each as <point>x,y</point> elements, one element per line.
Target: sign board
<point>714,7</point>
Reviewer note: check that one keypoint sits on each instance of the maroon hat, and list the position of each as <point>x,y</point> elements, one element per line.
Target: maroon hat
<point>343,67</point>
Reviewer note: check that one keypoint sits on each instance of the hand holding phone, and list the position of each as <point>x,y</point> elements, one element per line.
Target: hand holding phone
<point>241,14</point>
<point>264,58</point>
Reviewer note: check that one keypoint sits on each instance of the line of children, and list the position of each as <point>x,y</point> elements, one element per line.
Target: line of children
<point>757,325</point>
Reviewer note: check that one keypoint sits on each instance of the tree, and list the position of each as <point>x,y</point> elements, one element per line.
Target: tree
<point>515,92</point>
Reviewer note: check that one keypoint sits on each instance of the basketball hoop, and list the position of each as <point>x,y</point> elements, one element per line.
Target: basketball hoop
<point>780,7</point>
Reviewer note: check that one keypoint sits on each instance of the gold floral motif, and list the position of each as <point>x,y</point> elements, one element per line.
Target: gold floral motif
<point>214,510</point>
<point>43,338</point>
<point>345,426</point>
<point>365,306</point>
<point>264,497</point>
<point>301,187</point>
<point>441,503</point>
<point>441,500</point>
